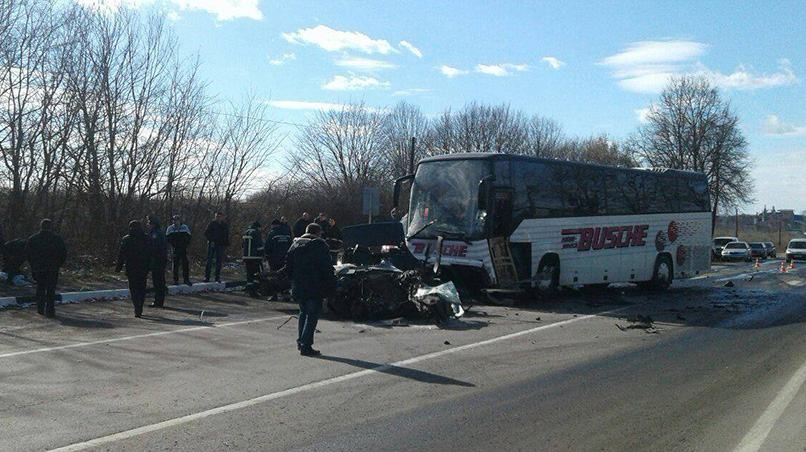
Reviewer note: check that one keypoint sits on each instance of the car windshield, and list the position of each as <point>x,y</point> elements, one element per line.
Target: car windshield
<point>797,245</point>
<point>445,193</point>
<point>757,246</point>
<point>736,245</point>
<point>722,242</point>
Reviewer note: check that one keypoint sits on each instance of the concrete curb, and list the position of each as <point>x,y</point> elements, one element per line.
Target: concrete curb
<point>112,294</point>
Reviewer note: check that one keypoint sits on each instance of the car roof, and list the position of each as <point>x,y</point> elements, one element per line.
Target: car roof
<point>726,237</point>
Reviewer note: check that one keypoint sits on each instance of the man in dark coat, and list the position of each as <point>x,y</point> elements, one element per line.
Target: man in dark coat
<point>285,227</point>
<point>252,252</point>
<point>277,243</point>
<point>158,249</point>
<point>46,254</point>
<point>134,255</point>
<point>217,234</point>
<point>14,254</point>
<point>301,224</point>
<point>178,236</point>
<point>312,279</point>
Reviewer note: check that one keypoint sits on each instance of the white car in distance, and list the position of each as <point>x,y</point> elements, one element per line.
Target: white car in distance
<point>736,251</point>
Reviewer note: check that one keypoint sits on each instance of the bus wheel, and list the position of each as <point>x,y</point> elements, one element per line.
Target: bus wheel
<point>548,275</point>
<point>662,275</point>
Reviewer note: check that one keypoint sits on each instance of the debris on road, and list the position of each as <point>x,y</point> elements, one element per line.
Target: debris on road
<point>729,284</point>
<point>447,343</point>
<point>639,322</point>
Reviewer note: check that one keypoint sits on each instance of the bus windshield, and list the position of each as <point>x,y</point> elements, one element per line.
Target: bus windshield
<point>445,193</point>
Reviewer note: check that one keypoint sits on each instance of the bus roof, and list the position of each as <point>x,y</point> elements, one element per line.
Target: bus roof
<point>501,156</point>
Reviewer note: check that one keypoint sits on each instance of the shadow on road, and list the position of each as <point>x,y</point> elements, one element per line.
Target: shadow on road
<point>184,322</point>
<point>403,372</point>
<point>79,322</point>
<point>196,311</point>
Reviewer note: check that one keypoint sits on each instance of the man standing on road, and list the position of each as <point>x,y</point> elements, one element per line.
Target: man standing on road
<point>178,236</point>
<point>46,254</point>
<point>134,254</point>
<point>312,279</point>
<point>301,224</point>
<point>217,235</point>
<point>276,247</point>
<point>159,260</point>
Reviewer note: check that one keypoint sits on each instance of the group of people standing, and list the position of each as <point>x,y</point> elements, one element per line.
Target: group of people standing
<point>302,253</point>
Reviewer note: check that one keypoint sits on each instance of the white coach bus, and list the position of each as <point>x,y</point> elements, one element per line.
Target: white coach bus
<point>514,222</point>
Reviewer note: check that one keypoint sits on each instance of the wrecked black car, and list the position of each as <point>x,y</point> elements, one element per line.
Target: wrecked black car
<point>378,278</point>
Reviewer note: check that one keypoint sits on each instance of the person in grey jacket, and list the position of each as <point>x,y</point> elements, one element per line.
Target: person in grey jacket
<point>312,279</point>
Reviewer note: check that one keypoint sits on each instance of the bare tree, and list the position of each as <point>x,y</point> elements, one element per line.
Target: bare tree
<point>691,127</point>
<point>403,122</point>
<point>545,137</point>
<point>340,152</point>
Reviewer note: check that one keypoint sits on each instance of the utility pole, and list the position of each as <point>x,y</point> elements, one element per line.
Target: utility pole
<point>737,223</point>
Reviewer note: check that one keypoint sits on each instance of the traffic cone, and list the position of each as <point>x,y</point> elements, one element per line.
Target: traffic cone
<point>792,265</point>
<point>783,267</point>
<point>758,264</point>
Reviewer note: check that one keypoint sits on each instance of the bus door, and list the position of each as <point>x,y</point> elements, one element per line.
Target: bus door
<point>500,230</point>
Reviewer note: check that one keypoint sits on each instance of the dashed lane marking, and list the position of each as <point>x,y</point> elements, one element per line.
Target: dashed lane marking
<point>311,386</point>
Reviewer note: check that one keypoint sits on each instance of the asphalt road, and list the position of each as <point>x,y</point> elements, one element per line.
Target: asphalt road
<point>718,368</point>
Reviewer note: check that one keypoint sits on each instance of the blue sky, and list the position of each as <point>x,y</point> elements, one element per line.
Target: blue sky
<point>591,66</point>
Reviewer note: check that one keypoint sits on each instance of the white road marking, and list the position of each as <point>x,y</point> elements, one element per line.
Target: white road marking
<point>137,336</point>
<point>755,438</point>
<point>311,386</point>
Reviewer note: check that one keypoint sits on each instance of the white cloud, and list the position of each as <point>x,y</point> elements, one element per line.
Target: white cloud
<point>647,66</point>
<point>414,50</point>
<point>223,10</point>
<point>500,70</point>
<point>451,72</point>
<point>410,91</point>
<point>774,126</point>
<point>334,40</point>
<point>282,59</point>
<point>743,79</point>
<point>364,64</point>
<point>306,105</point>
<point>353,83</point>
<point>643,114</point>
<point>555,63</point>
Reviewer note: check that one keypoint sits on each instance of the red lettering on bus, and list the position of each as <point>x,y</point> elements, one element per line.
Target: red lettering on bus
<point>605,237</point>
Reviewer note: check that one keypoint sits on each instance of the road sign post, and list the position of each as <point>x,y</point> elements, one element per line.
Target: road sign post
<point>371,202</point>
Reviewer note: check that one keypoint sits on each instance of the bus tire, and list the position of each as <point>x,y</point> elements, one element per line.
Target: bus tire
<point>662,275</point>
<point>548,274</point>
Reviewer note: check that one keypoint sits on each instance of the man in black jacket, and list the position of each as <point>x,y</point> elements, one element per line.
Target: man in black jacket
<point>312,279</point>
<point>276,247</point>
<point>134,254</point>
<point>301,224</point>
<point>46,254</point>
<point>217,235</point>
<point>158,249</point>
<point>178,236</point>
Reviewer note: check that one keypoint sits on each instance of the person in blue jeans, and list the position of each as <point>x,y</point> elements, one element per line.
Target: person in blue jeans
<point>312,279</point>
<point>217,234</point>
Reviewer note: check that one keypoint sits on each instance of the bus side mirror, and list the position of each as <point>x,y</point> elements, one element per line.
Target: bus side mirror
<point>398,183</point>
<point>485,187</point>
